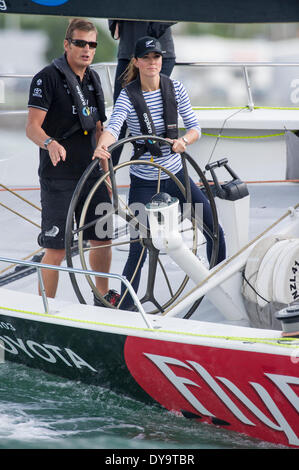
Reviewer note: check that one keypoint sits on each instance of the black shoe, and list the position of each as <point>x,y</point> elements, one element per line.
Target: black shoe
<point>112,297</point>
<point>97,302</point>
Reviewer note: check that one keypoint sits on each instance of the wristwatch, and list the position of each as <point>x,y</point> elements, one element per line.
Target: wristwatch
<point>185,140</point>
<point>48,141</point>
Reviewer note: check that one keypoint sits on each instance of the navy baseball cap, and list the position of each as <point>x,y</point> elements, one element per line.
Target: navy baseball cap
<point>147,44</point>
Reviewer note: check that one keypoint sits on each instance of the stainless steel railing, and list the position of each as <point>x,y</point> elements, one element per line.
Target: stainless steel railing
<point>39,266</point>
<point>244,66</point>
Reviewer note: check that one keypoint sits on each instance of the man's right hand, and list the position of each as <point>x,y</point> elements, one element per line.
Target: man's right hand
<point>56,152</point>
<point>35,132</point>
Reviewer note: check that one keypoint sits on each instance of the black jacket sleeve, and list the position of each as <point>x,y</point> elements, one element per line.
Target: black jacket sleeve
<point>157,29</point>
<point>112,26</point>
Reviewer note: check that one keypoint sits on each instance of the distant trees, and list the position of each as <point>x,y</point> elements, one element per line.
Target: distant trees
<point>55,27</point>
<point>271,31</point>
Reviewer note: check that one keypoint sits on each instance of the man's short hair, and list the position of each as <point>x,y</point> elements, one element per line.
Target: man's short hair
<point>82,25</point>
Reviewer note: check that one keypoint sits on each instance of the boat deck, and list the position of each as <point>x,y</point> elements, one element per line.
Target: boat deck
<point>19,240</point>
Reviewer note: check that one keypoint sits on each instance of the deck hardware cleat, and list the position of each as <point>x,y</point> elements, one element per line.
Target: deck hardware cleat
<point>289,318</point>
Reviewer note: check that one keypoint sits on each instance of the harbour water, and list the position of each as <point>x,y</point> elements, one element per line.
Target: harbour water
<point>43,411</point>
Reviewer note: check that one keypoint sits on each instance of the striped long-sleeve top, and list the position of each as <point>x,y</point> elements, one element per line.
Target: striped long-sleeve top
<point>124,111</point>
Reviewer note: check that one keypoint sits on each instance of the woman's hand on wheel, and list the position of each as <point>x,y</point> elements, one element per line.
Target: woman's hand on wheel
<point>101,152</point>
<point>178,145</point>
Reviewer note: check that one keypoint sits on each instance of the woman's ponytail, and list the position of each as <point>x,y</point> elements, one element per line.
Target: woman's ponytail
<point>130,74</point>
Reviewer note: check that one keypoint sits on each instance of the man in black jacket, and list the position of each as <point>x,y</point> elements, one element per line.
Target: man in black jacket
<point>66,112</point>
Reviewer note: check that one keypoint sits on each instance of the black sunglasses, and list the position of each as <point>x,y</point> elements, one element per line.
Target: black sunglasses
<point>82,43</point>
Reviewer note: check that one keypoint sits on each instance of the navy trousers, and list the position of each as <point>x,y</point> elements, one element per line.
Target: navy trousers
<point>142,191</point>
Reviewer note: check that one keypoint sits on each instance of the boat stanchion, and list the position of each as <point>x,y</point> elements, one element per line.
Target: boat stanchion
<point>42,289</point>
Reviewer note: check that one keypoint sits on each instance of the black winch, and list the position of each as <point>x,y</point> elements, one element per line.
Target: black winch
<point>231,190</point>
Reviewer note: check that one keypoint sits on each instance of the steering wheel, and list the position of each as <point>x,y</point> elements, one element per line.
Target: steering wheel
<point>120,208</point>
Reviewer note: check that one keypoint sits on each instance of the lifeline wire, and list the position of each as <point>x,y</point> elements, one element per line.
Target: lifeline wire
<point>222,129</point>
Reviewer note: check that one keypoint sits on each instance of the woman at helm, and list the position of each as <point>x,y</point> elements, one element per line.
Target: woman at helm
<point>150,104</point>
